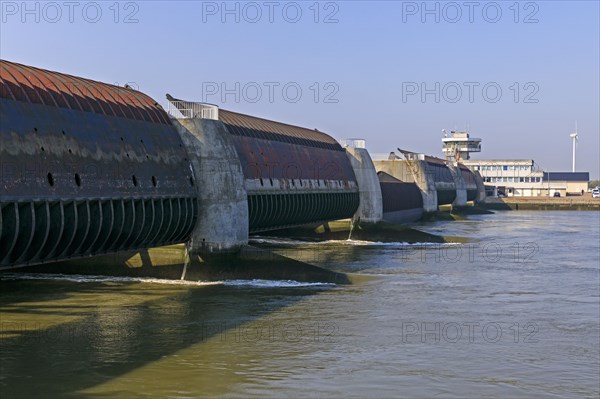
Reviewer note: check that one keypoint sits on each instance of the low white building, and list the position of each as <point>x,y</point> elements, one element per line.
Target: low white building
<point>518,177</point>
<point>574,183</point>
<point>511,177</point>
<point>521,178</point>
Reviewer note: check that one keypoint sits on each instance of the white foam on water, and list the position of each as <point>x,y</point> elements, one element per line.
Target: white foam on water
<point>78,278</point>
<point>279,241</point>
<point>388,244</point>
<point>274,283</point>
<point>356,243</point>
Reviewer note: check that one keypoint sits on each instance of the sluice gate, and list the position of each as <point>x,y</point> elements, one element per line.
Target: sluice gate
<point>293,175</point>
<point>89,168</point>
<point>440,182</point>
<point>86,168</point>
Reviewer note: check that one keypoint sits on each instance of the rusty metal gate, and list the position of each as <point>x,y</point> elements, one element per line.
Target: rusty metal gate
<point>86,168</point>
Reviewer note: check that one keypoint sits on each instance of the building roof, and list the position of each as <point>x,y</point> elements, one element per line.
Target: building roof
<point>498,161</point>
<point>567,176</point>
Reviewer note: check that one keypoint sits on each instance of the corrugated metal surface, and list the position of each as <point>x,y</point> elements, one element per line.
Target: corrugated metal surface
<point>274,211</point>
<point>33,232</point>
<point>278,130</point>
<point>57,144</point>
<point>305,175</point>
<point>274,150</point>
<point>266,159</point>
<point>86,168</point>
<point>39,86</point>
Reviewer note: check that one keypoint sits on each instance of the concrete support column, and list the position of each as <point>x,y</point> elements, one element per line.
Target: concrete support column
<point>480,187</point>
<point>426,183</point>
<point>459,183</point>
<point>370,209</point>
<point>219,180</point>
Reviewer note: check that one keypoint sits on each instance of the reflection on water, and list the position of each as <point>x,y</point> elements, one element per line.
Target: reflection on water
<point>512,313</point>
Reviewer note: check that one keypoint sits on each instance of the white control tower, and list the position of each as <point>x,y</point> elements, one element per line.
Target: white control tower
<point>458,145</point>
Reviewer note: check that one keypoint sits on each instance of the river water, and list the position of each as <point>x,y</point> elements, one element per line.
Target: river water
<point>512,313</point>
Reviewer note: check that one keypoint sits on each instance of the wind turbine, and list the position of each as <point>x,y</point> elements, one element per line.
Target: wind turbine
<point>575,138</point>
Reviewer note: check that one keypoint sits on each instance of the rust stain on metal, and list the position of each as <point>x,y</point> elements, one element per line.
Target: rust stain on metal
<point>304,175</point>
<point>86,168</point>
<point>39,86</point>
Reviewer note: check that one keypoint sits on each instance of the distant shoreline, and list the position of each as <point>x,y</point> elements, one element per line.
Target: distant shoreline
<point>575,203</point>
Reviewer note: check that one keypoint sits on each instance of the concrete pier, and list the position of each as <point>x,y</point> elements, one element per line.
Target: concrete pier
<point>459,184</point>
<point>370,209</point>
<point>441,182</point>
<point>223,209</point>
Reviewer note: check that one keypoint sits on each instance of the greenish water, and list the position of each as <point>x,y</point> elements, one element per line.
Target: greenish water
<point>513,313</point>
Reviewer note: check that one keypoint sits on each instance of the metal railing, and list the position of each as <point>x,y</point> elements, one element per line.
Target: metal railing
<point>353,143</point>
<point>189,110</point>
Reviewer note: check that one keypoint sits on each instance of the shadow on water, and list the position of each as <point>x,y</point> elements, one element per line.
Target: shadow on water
<point>335,252</point>
<point>63,338</point>
<point>114,329</point>
<point>381,232</point>
<point>174,263</point>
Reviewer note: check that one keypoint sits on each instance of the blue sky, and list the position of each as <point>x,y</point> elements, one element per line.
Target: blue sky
<point>352,69</point>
